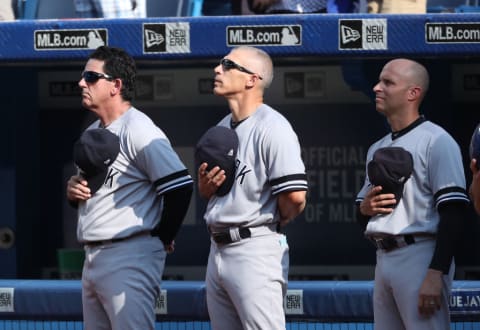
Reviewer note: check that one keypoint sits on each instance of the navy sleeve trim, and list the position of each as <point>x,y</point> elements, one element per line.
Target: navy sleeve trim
<point>173,181</point>
<point>451,194</point>
<point>292,177</point>
<point>171,177</point>
<point>293,182</point>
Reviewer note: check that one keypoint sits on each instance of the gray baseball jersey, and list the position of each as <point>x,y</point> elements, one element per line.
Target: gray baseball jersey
<point>268,163</point>
<point>130,199</point>
<point>247,279</point>
<point>437,177</point>
<point>121,280</point>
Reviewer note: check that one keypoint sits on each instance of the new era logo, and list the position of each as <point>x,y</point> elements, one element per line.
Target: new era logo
<point>153,38</point>
<point>349,34</point>
<point>166,38</point>
<point>362,34</point>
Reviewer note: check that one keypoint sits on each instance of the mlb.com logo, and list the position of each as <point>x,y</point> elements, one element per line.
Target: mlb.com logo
<point>166,38</point>
<point>362,34</point>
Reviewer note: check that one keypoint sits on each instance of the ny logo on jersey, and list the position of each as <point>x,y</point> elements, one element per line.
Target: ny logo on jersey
<point>109,178</point>
<point>241,171</point>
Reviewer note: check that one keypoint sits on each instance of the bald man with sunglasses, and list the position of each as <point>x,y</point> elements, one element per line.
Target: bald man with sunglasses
<point>132,192</point>
<point>247,269</point>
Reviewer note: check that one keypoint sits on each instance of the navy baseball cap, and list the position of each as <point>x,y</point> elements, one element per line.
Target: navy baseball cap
<point>390,168</point>
<point>218,147</point>
<point>475,145</point>
<point>93,153</point>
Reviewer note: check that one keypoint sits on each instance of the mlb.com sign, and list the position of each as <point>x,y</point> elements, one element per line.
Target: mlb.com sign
<point>70,39</point>
<point>362,34</point>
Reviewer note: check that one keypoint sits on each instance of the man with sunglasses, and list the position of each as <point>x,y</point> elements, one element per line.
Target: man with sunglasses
<point>132,192</point>
<point>247,269</point>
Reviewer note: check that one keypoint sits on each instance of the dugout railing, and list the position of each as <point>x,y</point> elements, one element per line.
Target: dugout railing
<point>56,304</point>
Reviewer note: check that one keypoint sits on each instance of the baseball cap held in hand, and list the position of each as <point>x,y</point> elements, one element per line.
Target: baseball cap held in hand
<point>218,147</point>
<point>390,168</point>
<point>93,153</point>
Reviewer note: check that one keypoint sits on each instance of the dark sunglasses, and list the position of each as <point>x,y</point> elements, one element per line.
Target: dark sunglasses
<point>229,64</point>
<point>92,76</point>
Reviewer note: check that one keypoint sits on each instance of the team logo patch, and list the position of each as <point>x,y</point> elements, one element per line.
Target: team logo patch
<point>264,35</point>
<point>70,39</point>
<point>166,38</point>
<point>362,34</point>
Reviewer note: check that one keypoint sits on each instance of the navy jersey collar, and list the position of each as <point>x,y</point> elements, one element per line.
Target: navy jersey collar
<point>397,134</point>
<point>234,124</point>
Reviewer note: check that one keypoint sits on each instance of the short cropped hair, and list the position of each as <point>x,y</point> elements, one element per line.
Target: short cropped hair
<point>118,64</point>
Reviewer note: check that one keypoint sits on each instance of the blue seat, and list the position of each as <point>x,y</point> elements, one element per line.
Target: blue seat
<point>45,9</point>
<point>467,9</point>
<point>452,6</point>
<point>439,9</point>
<point>55,9</point>
<point>162,8</point>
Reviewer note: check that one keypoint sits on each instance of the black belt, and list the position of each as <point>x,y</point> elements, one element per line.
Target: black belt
<point>236,234</point>
<point>392,242</point>
<point>225,237</point>
<point>92,244</point>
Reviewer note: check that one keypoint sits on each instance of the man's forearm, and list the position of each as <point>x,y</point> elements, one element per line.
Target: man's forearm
<point>291,204</point>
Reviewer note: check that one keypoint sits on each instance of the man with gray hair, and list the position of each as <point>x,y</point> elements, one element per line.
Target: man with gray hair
<point>247,269</point>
